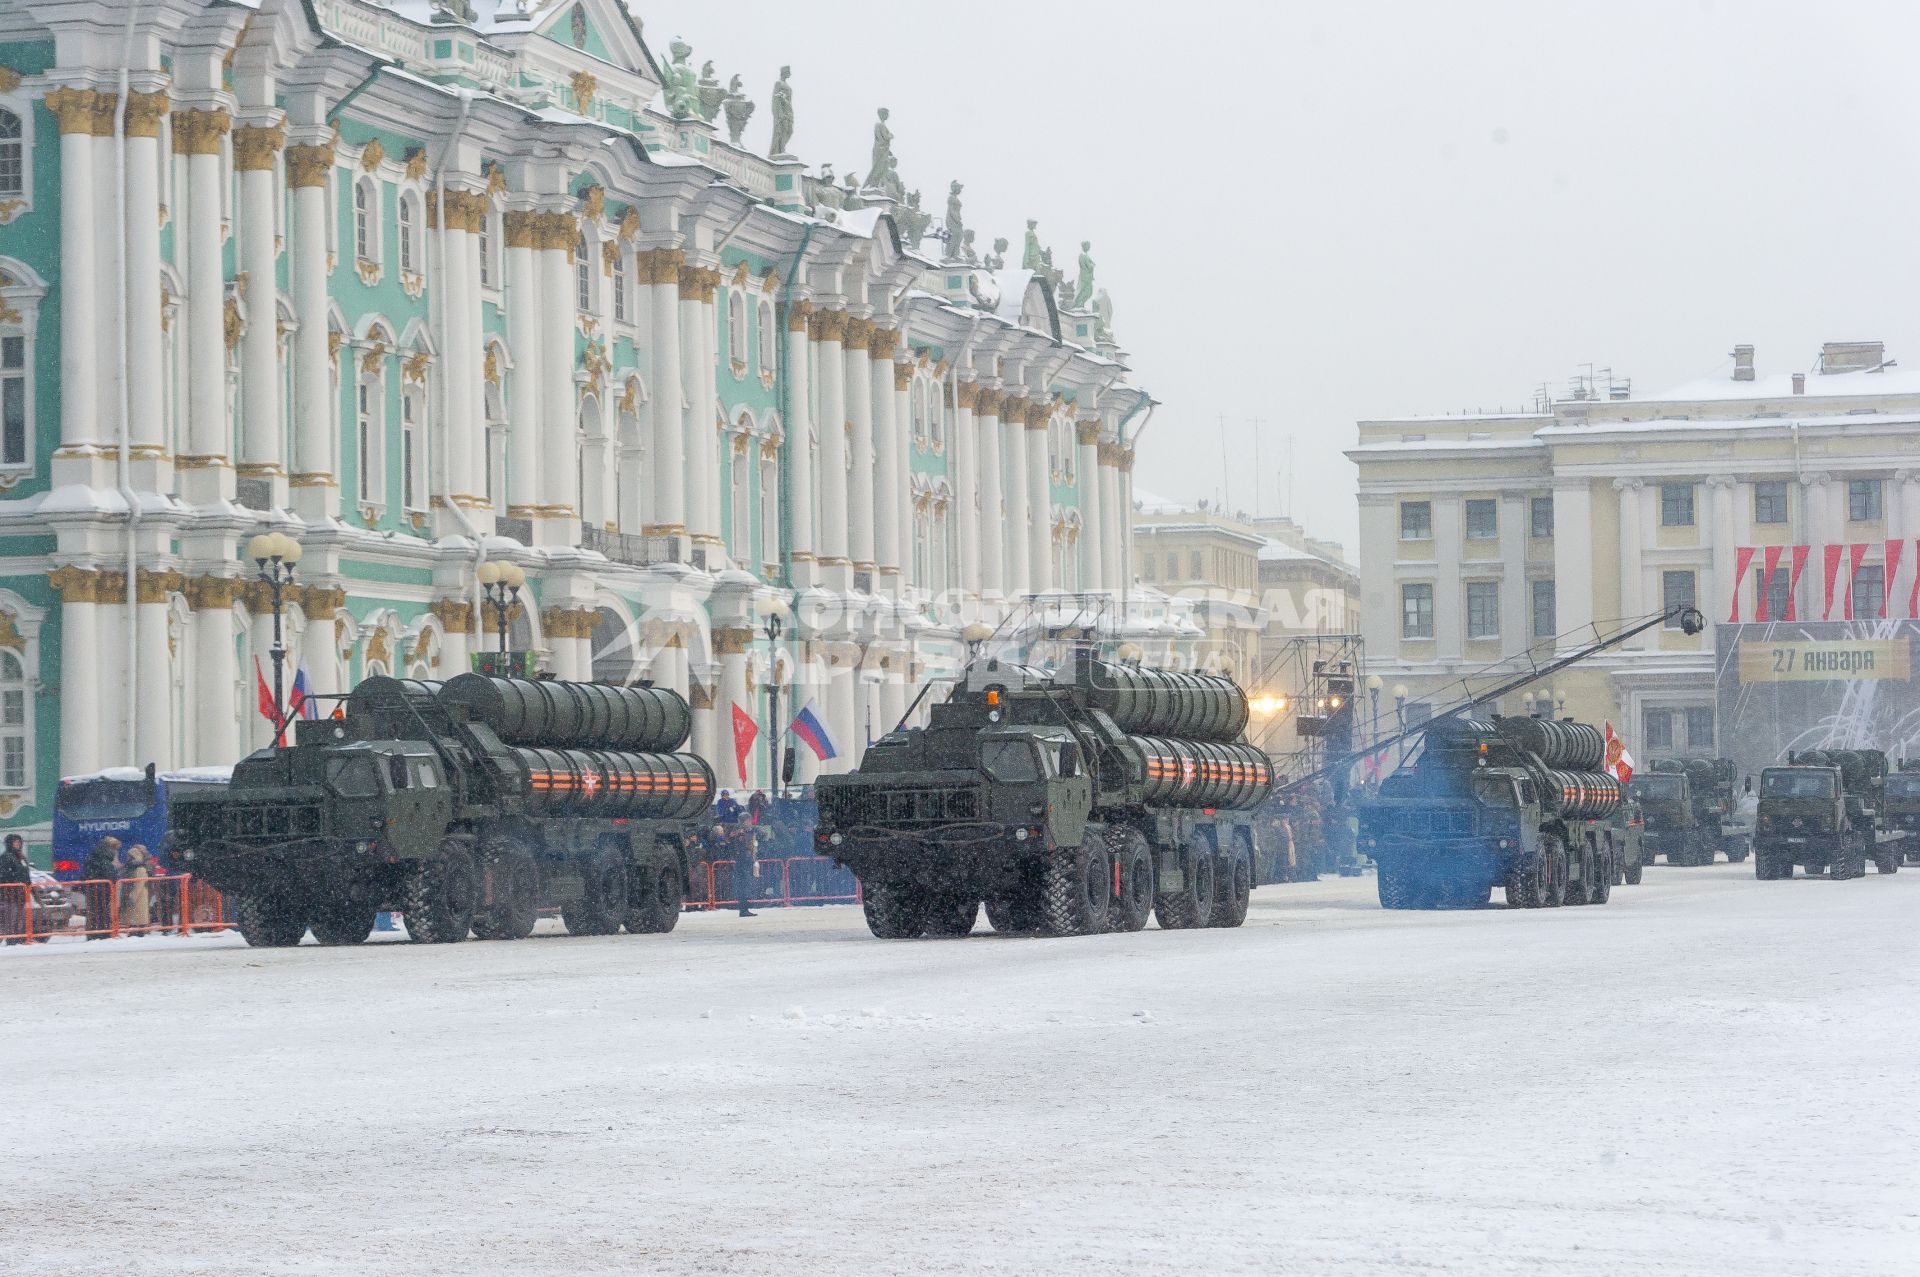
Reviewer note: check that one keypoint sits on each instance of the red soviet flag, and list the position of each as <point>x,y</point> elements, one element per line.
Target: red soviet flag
<point>1742,558</point>
<point>268,710</point>
<point>745,731</point>
<point>1832,556</point>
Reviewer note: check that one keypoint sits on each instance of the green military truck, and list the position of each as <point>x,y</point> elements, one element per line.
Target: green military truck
<point>1070,804</point>
<point>1821,811</point>
<point>1519,803</point>
<point>1900,811</point>
<point>463,805</point>
<point>1688,806</point>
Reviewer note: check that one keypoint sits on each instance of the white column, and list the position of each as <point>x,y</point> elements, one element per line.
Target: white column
<point>1449,605</point>
<point>1516,630</point>
<point>888,452</point>
<point>1093,548</point>
<point>1013,448</point>
<point>901,429</point>
<point>1631,602</point>
<point>734,691</point>
<point>144,364</point>
<point>524,406</point>
<point>559,463</point>
<point>216,715</point>
<point>698,371</point>
<point>1123,515</point>
<point>843,710</point>
<point>262,440</point>
<point>659,272</point>
<point>82,713</point>
<point>1573,552</point>
<point>1715,599</point>
<point>1907,485</point>
<point>801,547</point>
<point>79,216</point>
<point>1039,502</point>
<point>459,454</point>
<point>153,728</point>
<point>966,487</point>
<point>315,481</point>
<point>992,516</point>
<point>829,328</point>
<point>208,459</point>
<point>1113,551</point>
<point>859,389</point>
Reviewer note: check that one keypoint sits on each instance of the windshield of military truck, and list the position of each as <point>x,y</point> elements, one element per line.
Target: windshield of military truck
<point>1903,785</point>
<point>354,776</point>
<point>1657,788</point>
<point>1792,783</point>
<point>1010,760</point>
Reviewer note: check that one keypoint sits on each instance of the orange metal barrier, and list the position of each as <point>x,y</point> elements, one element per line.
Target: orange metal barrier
<point>103,909</point>
<point>799,880</point>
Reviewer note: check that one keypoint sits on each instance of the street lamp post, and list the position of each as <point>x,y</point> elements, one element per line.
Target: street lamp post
<point>502,582</point>
<point>276,554</point>
<point>773,622</point>
<point>1374,684</point>
<point>1400,714</point>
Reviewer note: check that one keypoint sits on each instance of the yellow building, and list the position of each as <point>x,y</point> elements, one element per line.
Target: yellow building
<point>1507,535</point>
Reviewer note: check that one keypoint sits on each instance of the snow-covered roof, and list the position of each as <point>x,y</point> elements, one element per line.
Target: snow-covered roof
<point>1517,443</point>
<point>212,775</point>
<point>1887,381</point>
<point>106,773</point>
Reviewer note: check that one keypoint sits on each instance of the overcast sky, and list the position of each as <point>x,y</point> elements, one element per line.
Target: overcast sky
<point>1316,214</point>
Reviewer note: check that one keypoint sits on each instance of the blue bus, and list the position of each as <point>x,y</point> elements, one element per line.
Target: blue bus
<point>124,802</point>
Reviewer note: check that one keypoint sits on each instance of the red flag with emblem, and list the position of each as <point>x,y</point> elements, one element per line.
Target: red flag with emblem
<point>745,732</point>
<point>268,710</point>
<point>1619,764</point>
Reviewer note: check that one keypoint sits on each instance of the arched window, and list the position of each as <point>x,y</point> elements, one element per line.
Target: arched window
<point>737,327</point>
<point>582,274</point>
<point>13,156</point>
<point>366,220</point>
<point>920,410</point>
<point>413,459</point>
<point>409,236</point>
<point>14,450</point>
<point>369,437</point>
<point>16,735</point>
<point>936,409</point>
<point>769,340</point>
<point>620,283</point>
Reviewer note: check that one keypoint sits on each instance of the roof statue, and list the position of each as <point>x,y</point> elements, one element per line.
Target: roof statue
<point>967,252</point>
<point>997,259</point>
<point>1056,278</point>
<point>883,174</point>
<point>682,91</point>
<point>1030,260</point>
<point>1083,288</point>
<point>711,94</point>
<point>739,110</point>
<point>1102,316</point>
<point>453,11</point>
<point>782,113</point>
<point>956,225</point>
<point>913,221</point>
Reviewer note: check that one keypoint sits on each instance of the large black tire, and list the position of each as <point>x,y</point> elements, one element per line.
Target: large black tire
<point>1632,873</point>
<point>1133,904</point>
<point>1886,861</point>
<point>602,905</point>
<point>1234,891</point>
<point>1393,880</point>
<point>1559,867</point>
<point>516,898</point>
<point>1600,888</point>
<point>274,921</point>
<point>1737,851</point>
<point>894,911</point>
<point>1192,905</point>
<point>1581,864</point>
<point>1527,882</point>
<point>1016,910</point>
<point>438,896</point>
<point>656,894</point>
<point>342,920</point>
<point>951,914</point>
<point>1076,887</point>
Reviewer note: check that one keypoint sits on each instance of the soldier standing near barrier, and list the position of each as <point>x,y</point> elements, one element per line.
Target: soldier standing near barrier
<point>746,865</point>
<point>16,881</point>
<point>101,869</point>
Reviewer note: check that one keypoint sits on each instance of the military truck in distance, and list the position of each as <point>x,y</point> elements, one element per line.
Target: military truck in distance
<point>1688,804</point>
<point>462,805</point>
<point>1070,804</point>
<point>1513,802</point>
<point>1821,812</point>
<point>1900,810</point>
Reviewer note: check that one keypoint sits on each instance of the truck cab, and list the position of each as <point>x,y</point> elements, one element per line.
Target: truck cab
<point>1803,821</point>
<point>1900,811</point>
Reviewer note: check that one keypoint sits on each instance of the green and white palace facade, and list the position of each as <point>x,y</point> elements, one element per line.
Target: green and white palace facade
<point>423,287</point>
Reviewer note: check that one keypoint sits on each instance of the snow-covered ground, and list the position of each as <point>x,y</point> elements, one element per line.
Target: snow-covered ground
<point>1711,1075</point>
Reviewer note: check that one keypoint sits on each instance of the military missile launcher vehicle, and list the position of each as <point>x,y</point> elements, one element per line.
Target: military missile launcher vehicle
<point>463,805</point>
<point>1068,803</point>
<point>1513,802</point>
<point>1688,804</point>
<point>1821,811</point>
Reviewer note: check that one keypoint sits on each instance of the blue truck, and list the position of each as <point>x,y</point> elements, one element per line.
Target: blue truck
<point>127,803</point>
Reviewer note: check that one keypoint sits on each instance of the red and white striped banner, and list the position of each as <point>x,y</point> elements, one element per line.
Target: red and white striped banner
<point>1840,567</point>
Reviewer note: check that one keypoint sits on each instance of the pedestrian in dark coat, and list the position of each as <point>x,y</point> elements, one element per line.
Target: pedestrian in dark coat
<point>727,809</point>
<point>101,869</point>
<point>16,880</point>
<point>746,866</point>
<point>757,807</point>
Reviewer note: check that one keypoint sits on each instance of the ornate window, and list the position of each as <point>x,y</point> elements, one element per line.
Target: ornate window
<point>769,340</point>
<point>409,236</point>
<point>620,283</point>
<point>366,220</point>
<point>582,274</point>
<point>495,407</point>
<point>13,156</point>
<point>769,506</point>
<point>20,294</point>
<point>920,412</point>
<point>370,426</point>
<point>412,452</point>
<point>16,738</point>
<point>13,399</point>
<point>740,531</point>
<point>737,327</point>
<point>487,276</point>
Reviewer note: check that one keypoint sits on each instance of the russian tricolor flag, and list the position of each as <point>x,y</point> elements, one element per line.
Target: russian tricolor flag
<point>808,727</point>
